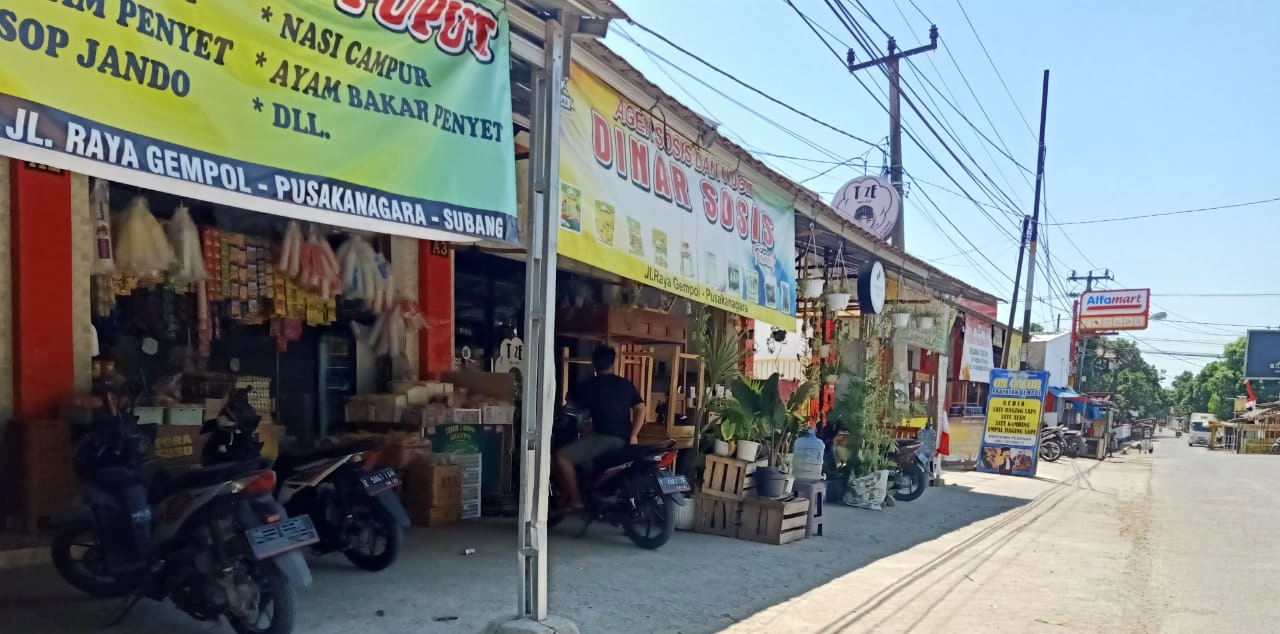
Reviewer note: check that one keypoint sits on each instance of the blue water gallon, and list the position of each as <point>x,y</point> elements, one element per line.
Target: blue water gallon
<point>807,462</point>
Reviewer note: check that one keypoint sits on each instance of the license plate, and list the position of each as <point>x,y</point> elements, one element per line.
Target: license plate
<point>376,483</point>
<point>673,484</point>
<point>281,537</point>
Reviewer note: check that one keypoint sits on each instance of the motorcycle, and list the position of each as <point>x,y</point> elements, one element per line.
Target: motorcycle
<point>1275,448</point>
<point>1052,444</point>
<point>1073,442</point>
<point>631,487</point>
<point>353,501</point>
<point>212,540</point>
<point>911,476</point>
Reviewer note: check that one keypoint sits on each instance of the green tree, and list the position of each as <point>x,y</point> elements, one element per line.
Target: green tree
<point>1121,370</point>
<point>1214,389</point>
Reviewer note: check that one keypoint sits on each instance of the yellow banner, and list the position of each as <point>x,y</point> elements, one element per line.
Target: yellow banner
<point>381,115</point>
<point>643,202</point>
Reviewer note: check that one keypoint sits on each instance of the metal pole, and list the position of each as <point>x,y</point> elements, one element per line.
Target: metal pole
<point>1035,217</point>
<point>1013,304</point>
<point>538,395</point>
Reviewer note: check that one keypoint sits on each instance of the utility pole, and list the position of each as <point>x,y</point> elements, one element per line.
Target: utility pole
<point>1013,304</point>
<point>890,62</point>
<point>1035,217</point>
<point>1077,338</point>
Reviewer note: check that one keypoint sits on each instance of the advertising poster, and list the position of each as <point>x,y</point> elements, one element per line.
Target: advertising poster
<point>645,203</point>
<point>977,357</point>
<point>1011,438</point>
<point>380,115</point>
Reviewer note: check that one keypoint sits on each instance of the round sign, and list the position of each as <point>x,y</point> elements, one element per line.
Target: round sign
<point>871,287</point>
<point>510,355</point>
<point>869,202</point>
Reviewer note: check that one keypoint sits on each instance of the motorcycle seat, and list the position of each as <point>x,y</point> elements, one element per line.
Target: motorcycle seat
<point>302,456</point>
<point>632,452</point>
<point>167,483</point>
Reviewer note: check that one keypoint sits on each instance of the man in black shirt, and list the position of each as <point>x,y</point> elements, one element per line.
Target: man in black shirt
<point>617,413</point>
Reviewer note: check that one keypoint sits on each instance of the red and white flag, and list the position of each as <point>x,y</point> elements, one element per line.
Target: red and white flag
<point>944,435</point>
<point>1253,398</point>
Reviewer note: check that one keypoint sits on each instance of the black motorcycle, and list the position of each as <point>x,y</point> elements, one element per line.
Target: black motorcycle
<point>214,541</point>
<point>910,476</point>
<point>1073,442</point>
<point>352,500</point>
<point>1052,443</point>
<point>632,487</point>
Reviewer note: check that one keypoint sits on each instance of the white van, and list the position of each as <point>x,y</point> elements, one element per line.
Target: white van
<point>1200,429</point>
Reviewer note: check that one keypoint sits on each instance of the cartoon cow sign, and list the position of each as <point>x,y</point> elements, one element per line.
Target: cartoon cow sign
<point>869,202</point>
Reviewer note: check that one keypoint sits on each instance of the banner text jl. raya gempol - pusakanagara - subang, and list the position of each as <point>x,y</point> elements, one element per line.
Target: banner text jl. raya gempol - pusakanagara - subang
<point>377,114</point>
<point>648,204</point>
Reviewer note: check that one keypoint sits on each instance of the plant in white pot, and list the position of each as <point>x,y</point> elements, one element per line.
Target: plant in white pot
<point>758,413</point>
<point>811,282</point>
<point>926,318</point>
<point>838,296</point>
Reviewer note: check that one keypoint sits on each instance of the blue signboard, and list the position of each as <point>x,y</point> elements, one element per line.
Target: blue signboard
<point>1011,438</point>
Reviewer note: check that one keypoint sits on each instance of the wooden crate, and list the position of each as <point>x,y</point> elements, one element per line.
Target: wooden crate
<point>773,522</point>
<point>716,515</point>
<point>728,478</point>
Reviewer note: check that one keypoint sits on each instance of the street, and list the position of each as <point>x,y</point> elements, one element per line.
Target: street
<point>1168,543</point>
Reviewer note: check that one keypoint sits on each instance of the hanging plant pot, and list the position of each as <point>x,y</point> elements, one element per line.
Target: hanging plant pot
<point>832,379</point>
<point>901,320</point>
<point>721,448</point>
<point>812,287</point>
<point>926,322</point>
<point>838,301</point>
<point>748,450</point>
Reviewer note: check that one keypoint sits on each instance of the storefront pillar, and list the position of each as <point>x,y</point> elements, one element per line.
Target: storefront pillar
<point>43,344</point>
<point>435,296</point>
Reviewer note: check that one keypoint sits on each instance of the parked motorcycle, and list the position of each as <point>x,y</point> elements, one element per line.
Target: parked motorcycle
<point>1051,443</point>
<point>353,502</point>
<point>1275,447</point>
<point>911,476</point>
<point>212,540</point>
<point>632,487</point>
<point>1073,442</point>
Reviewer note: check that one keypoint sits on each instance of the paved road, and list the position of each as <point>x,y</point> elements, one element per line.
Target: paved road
<point>1177,542</point>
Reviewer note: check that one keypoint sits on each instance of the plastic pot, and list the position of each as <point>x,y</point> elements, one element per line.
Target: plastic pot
<point>771,483</point>
<point>926,322</point>
<point>812,288</point>
<point>901,320</point>
<point>685,514</point>
<point>748,450</point>
<point>721,448</point>
<point>838,301</point>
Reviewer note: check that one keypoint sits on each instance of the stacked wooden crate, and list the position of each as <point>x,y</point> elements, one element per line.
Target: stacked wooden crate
<point>726,482</point>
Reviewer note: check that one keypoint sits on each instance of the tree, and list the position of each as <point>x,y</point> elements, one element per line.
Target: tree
<point>1122,371</point>
<point>1214,389</point>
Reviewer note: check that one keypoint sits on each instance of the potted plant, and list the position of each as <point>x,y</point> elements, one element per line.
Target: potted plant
<point>838,298</point>
<point>811,284</point>
<point>721,363</point>
<point>756,413</point>
<point>925,317</point>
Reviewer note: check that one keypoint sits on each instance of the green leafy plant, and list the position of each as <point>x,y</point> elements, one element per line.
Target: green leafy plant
<point>757,411</point>
<point>862,408</point>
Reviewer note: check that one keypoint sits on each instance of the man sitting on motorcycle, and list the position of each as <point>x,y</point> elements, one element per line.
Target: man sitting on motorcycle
<point>617,414</point>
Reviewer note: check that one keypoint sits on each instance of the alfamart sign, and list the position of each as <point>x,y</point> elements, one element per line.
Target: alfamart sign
<point>1123,309</point>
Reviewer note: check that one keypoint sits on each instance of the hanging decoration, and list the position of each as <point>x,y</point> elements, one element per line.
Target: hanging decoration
<point>310,261</point>
<point>811,285</point>
<point>104,261</point>
<point>838,295</point>
<point>184,239</point>
<point>366,275</point>
<point>141,247</point>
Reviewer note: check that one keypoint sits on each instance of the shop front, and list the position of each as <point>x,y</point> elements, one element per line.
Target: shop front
<point>263,210</point>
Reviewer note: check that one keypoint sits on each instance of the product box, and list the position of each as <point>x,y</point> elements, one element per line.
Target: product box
<point>434,485</point>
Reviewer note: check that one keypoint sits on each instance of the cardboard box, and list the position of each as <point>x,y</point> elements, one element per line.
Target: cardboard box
<point>433,485</point>
<point>189,415</point>
<point>179,444</point>
<point>435,516</point>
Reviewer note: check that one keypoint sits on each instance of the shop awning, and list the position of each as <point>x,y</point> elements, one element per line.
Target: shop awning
<point>1064,392</point>
<point>329,145</point>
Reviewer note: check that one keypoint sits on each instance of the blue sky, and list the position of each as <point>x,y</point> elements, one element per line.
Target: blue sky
<point>1151,110</point>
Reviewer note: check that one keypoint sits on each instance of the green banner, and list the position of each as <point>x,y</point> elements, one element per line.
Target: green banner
<point>385,115</point>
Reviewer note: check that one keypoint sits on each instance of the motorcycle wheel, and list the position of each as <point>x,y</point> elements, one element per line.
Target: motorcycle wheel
<point>79,573</point>
<point>380,523</point>
<point>657,512</point>
<point>273,588</point>
<point>1073,449</point>
<point>1050,450</point>
<point>918,479</point>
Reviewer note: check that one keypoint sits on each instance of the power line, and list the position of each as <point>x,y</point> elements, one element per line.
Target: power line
<point>753,89</point>
<point>993,65</point>
<point>1259,295</point>
<point>1170,213</point>
<point>1209,323</point>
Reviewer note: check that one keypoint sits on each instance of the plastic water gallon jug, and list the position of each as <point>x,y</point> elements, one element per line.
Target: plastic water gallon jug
<point>807,463</point>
